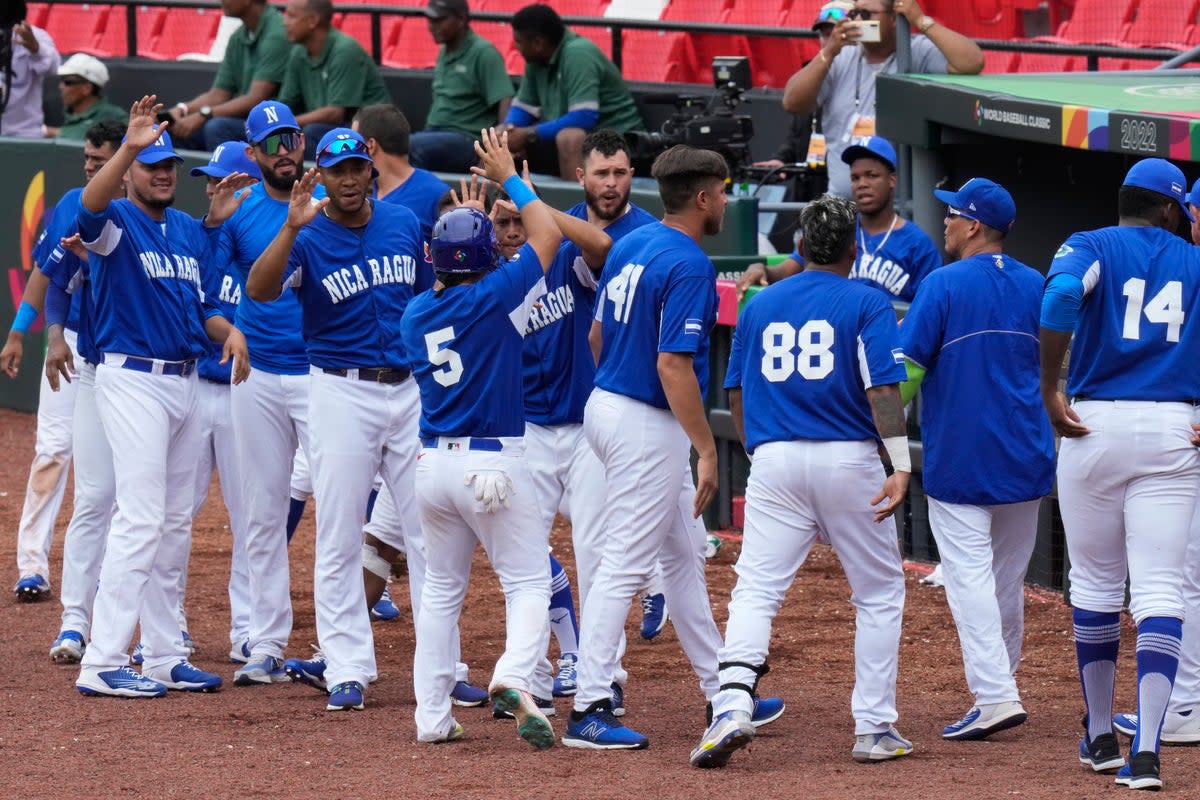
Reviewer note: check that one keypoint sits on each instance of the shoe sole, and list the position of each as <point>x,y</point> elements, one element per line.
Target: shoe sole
<point>123,694</point>
<point>532,724</point>
<point>1112,765</point>
<point>587,744</point>
<point>878,757</point>
<point>466,703</point>
<point>32,596</point>
<point>972,733</point>
<point>300,676</point>
<point>565,692</point>
<point>1146,782</point>
<point>65,655</point>
<point>718,753</point>
<point>1173,739</point>
<point>346,707</point>
<point>200,688</point>
<point>260,678</point>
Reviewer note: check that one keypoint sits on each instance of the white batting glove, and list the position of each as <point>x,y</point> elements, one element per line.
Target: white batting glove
<point>492,488</point>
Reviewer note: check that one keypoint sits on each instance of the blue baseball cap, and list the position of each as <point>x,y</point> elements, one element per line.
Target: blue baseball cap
<point>1194,197</point>
<point>871,147</point>
<point>1160,175</point>
<point>268,117</point>
<point>982,200</point>
<point>161,150</point>
<point>228,158</point>
<point>340,144</point>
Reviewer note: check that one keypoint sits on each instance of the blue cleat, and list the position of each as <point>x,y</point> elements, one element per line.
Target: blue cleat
<point>598,729</point>
<point>264,669</point>
<point>728,733</point>
<point>67,648</point>
<point>467,695</point>
<point>566,682</point>
<point>310,672</point>
<point>32,588</point>
<point>654,615</point>
<point>184,676</point>
<point>618,700</point>
<point>1141,772</point>
<point>119,682</point>
<point>385,610</point>
<point>346,697</point>
<point>766,710</point>
<point>240,652</point>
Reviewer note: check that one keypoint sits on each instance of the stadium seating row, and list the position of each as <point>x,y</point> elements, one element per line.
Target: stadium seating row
<point>669,57</point>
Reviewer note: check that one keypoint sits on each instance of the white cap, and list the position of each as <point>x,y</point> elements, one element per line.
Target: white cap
<point>85,66</point>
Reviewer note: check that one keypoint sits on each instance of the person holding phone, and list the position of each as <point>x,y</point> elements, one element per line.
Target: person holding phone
<point>840,82</point>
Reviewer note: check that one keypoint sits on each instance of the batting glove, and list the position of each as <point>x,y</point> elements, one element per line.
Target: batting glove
<point>492,488</point>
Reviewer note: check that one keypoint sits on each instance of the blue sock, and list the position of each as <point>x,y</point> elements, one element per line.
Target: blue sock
<point>295,512</point>
<point>562,609</point>
<point>1158,643</point>
<point>371,498</point>
<point>1097,640</point>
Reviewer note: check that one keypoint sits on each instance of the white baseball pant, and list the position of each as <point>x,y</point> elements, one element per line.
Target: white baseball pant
<point>985,553</point>
<point>356,429</point>
<point>47,474</point>
<point>150,422</point>
<point>796,489</point>
<point>649,500</point>
<point>302,487</point>
<point>218,448</point>
<point>1186,694</point>
<point>1127,492</point>
<point>515,542</point>
<point>93,508</point>
<point>270,420</point>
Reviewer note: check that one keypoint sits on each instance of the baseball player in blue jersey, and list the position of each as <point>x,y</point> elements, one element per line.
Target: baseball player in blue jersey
<point>813,387</point>
<point>970,338</point>
<point>54,443</point>
<point>464,341</point>
<point>354,264</point>
<point>1128,471</point>
<point>152,323</point>
<point>1182,722</point>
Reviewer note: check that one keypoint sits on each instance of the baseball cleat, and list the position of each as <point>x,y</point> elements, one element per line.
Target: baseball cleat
<point>240,653</point>
<point>136,657</point>
<point>766,710</point>
<point>32,588</point>
<point>1141,772</point>
<point>184,676</point>
<point>566,681</point>
<point>67,648</point>
<point>1179,727</point>
<point>310,672</point>
<point>119,682</point>
<point>1102,754</point>
<point>532,725</point>
<point>544,705</point>
<point>261,669</point>
<point>728,733</point>
<point>467,695</point>
<point>385,610</point>
<point>346,697</point>
<point>654,615</point>
<point>984,720</point>
<point>598,729</point>
<point>872,747</point>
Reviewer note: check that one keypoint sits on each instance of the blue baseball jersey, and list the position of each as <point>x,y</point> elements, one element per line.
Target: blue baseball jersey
<point>1135,338</point>
<point>272,329</point>
<point>70,274</point>
<point>62,222</point>
<point>558,364</point>
<point>658,288</point>
<point>464,345</point>
<point>805,351</point>
<point>146,281</point>
<point>354,285</point>
<point>895,263</point>
<point>420,194</point>
<point>974,328</point>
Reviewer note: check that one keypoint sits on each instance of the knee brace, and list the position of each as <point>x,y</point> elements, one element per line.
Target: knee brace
<point>758,669</point>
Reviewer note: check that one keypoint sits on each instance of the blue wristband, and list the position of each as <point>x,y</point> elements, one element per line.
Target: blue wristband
<point>519,191</point>
<point>26,314</point>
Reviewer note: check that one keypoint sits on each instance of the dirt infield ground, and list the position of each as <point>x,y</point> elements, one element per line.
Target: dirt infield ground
<point>278,742</point>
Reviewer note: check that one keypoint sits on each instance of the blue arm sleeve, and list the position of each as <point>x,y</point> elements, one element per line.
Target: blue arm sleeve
<point>1061,302</point>
<point>58,304</point>
<point>519,117</point>
<point>585,118</point>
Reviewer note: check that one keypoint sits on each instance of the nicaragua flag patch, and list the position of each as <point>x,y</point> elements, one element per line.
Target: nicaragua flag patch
<point>693,327</point>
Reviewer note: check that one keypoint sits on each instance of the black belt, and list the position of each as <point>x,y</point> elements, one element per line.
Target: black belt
<point>180,368</point>
<point>387,375</point>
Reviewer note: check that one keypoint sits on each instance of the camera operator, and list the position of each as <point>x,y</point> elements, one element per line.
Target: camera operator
<point>27,56</point>
<point>840,82</point>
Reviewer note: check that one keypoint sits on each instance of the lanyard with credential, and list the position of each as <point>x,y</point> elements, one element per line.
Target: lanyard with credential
<point>858,75</point>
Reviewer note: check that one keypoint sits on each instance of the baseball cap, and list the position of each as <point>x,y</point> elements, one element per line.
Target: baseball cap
<point>161,150</point>
<point>832,13</point>
<point>87,67</point>
<point>1194,197</point>
<point>437,9</point>
<point>982,200</point>
<point>1160,175</point>
<point>228,158</point>
<point>340,144</point>
<point>266,118</point>
<point>871,147</point>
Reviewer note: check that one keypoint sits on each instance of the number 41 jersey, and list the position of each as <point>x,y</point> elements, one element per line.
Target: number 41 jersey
<point>1134,339</point>
<point>804,353</point>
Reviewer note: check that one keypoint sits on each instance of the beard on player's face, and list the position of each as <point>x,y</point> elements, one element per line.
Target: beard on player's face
<point>607,204</point>
<point>154,185</point>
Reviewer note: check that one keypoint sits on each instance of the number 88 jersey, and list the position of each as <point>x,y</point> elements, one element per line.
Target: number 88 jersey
<point>804,353</point>
<point>1135,339</point>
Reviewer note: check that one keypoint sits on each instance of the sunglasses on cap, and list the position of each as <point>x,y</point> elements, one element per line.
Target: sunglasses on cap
<point>341,146</point>
<point>951,211</point>
<point>285,141</point>
<point>73,80</point>
<point>830,16</point>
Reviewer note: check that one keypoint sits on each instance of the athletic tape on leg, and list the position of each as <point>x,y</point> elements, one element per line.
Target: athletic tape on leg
<point>375,563</point>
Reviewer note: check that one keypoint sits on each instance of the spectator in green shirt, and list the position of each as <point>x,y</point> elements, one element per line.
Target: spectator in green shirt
<point>252,71</point>
<point>471,91</point>
<point>329,75</point>
<point>81,81</point>
<point>569,88</point>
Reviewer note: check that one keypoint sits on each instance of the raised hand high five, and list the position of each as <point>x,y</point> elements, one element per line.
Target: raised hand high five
<point>144,129</point>
<point>497,159</point>
<point>301,209</point>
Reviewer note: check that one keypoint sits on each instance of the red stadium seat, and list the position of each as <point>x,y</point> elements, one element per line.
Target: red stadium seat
<point>772,60</point>
<point>660,57</point>
<point>36,14</point>
<point>1050,62</point>
<point>1162,23</point>
<point>185,30</point>
<point>980,19</point>
<point>1095,22</point>
<point>410,46</point>
<point>565,8</point>
<point>998,61</point>
<point>500,34</point>
<point>76,28</point>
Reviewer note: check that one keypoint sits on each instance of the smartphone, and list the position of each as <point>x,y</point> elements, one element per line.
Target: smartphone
<point>868,30</point>
<point>165,116</point>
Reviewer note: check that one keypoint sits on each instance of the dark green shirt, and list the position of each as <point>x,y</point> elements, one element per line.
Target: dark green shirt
<point>342,75</point>
<point>75,125</point>
<point>578,77</point>
<point>467,85</point>
<point>259,55</point>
